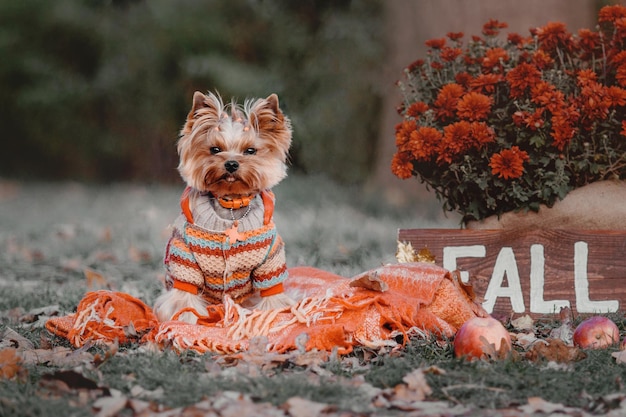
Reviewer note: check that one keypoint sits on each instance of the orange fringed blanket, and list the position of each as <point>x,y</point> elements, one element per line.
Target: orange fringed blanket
<point>332,311</point>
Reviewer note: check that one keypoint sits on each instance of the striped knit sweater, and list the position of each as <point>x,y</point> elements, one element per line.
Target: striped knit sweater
<point>202,258</point>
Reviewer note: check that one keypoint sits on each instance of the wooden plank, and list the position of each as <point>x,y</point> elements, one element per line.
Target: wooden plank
<point>535,272</point>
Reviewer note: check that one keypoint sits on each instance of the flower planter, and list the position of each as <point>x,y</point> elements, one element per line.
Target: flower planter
<point>598,206</point>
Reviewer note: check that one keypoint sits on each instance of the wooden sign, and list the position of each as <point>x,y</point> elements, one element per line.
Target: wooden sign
<point>537,272</point>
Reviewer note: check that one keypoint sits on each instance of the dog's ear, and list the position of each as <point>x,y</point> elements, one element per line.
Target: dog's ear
<point>272,103</point>
<point>271,123</point>
<point>202,105</point>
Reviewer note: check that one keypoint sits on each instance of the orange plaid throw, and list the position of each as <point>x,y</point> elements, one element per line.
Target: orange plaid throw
<point>375,309</point>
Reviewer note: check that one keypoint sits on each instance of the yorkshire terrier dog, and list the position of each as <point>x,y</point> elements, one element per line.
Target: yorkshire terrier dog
<point>225,242</point>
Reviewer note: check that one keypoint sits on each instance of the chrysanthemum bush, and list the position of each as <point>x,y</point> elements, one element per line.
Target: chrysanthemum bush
<point>500,123</point>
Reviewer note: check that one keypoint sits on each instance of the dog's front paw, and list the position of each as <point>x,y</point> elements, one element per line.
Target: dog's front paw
<point>168,304</point>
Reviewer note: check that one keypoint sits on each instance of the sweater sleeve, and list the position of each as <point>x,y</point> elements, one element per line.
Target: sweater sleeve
<point>269,276</point>
<point>182,267</point>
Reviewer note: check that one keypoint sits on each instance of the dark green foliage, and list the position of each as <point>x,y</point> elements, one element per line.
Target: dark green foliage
<point>98,90</point>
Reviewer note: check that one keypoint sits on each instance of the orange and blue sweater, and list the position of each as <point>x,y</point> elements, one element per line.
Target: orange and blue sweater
<point>202,258</point>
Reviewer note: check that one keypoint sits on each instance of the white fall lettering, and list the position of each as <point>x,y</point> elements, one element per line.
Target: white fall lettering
<point>506,264</point>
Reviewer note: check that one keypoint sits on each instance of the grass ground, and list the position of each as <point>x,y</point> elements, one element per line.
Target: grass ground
<point>57,241</point>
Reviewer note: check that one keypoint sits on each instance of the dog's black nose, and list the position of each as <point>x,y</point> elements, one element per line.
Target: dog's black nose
<point>231,166</point>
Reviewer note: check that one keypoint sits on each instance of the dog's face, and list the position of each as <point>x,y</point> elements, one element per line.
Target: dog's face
<point>234,150</point>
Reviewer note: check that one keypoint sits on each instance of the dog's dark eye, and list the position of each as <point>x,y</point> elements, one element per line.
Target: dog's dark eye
<point>215,150</point>
<point>249,151</point>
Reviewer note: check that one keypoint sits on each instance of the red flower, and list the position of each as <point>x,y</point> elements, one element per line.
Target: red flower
<point>542,60</point>
<point>509,163</point>
<point>588,42</point>
<point>454,36</point>
<point>481,134</point>
<point>456,139</point>
<point>535,120</point>
<point>616,96</point>
<point>554,36</point>
<point>485,83</point>
<point>401,165</point>
<point>415,65</point>
<point>521,78</point>
<point>463,79</point>
<point>417,109</point>
<point>403,132</point>
<point>623,132</point>
<point>450,54</point>
<point>611,13</point>
<point>447,100</point>
<point>515,38</point>
<point>436,43</point>
<point>492,27</point>
<point>547,95</point>
<point>474,107</point>
<point>620,75</point>
<point>562,130</point>
<point>423,143</point>
<point>494,58</point>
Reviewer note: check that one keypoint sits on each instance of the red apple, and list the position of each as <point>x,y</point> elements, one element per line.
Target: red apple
<point>475,337</point>
<point>596,333</point>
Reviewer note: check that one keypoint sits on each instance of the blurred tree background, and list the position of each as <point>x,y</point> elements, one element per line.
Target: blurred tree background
<point>97,90</point>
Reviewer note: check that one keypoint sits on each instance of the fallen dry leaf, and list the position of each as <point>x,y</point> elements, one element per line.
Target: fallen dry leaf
<point>414,389</point>
<point>523,323</point>
<point>554,350</point>
<point>525,340</point>
<point>301,407</point>
<point>11,338</point>
<point>95,279</point>
<point>59,356</point>
<point>538,405</point>
<point>620,357</point>
<point>110,406</point>
<point>10,364</point>
<point>138,255</point>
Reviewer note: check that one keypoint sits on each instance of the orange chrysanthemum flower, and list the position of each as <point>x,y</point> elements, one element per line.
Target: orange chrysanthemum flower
<point>542,60</point>
<point>450,54</point>
<point>562,130</point>
<point>415,65</point>
<point>463,79</point>
<point>423,143</point>
<point>509,163</point>
<point>447,100</point>
<point>515,38</point>
<point>401,165</point>
<point>521,78</point>
<point>474,106</point>
<point>547,95</point>
<point>618,59</point>
<point>481,134</point>
<point>623,132</point>
<point>485,83</point>
<point>616,96</point>
<point>588,42</point>
<point>456,139</point>
<point>492,27</point>
<point>436,43</point>
<point>403,132</point>
<point>620,75</point>
<point>454,36</point>
<point>554,36</point>
<point>611,13</point>
<point>416,109</point>
<point>494,58</point>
